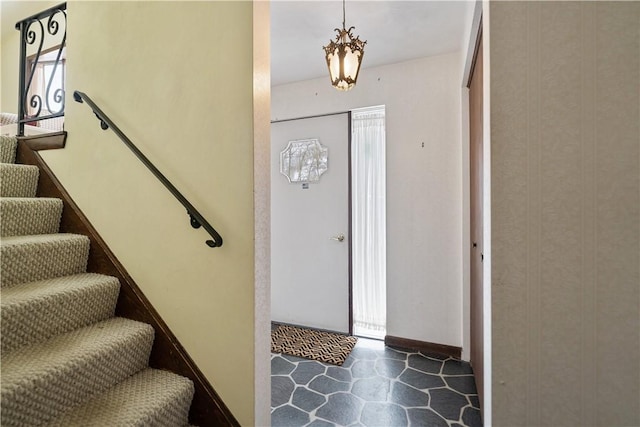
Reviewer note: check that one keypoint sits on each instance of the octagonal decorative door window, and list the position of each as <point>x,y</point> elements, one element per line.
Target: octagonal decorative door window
<point>304,160</point>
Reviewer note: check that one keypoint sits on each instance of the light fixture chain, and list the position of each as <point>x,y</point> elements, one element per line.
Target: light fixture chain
<point>343,15</point>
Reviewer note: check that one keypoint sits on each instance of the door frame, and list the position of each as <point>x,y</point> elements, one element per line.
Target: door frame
<point>349,205</point>
<point>480,26</point>
<point>476,223</point>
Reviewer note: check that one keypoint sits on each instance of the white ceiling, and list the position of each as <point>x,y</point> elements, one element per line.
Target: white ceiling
<point>395,31</point>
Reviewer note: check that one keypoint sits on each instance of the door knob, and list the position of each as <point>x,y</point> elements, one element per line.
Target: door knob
<point>339,237</point>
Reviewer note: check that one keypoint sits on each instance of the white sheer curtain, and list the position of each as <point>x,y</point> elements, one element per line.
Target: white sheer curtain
<point>369,222</point>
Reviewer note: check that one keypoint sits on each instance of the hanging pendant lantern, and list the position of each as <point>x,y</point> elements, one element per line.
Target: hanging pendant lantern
<point>344,57</point>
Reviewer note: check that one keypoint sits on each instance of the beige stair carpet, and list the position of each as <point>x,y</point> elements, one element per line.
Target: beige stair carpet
<point>8,146</point>
<point>73,301</point>
<point>42,381</point>
<point>21,216</point>
<point>66,360</point>
<point>18,180</point>
<point>134,402</point>
<point>37,257</point>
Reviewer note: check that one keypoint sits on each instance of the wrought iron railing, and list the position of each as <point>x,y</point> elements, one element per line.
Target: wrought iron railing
<point>197,220</point>
<point>41,32</point>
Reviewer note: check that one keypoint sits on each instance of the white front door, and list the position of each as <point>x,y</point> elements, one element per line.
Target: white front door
<point>309,261</point>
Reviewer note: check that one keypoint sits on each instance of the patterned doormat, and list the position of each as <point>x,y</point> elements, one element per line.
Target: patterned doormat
<point>322,346</point>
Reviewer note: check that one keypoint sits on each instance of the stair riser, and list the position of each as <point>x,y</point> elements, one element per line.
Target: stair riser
<point>150,398</point>
<point>39,318</point>
<point>31,262</point>
<point>8,147</point>
<point>41,396</point>
<point>18,180</point>
<point>23,217</point>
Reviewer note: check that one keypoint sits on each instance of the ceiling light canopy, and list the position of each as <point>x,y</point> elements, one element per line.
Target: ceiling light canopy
<point>344,57</point>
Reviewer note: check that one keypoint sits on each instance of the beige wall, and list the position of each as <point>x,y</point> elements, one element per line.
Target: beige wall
<point>565,110</point>
<point>177,78</point>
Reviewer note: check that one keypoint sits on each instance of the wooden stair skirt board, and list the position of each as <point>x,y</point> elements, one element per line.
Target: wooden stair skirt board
<point>424,347</point>
<point>207,408</point>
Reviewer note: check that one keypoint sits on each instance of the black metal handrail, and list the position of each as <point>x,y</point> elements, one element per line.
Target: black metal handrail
<point>32,32</point>
<point>197,219</point>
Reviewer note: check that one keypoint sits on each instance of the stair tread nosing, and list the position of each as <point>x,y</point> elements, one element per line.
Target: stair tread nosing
<point>18,180</point>
<point>23,216</point>
<point>41,381</point>
<point>37,257</point>
<point>36,311</point>
<point>151,397</point>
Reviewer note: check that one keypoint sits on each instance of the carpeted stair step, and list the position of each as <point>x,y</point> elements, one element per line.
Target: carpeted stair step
<point>66,360</point>
<point>149,398</point>
<point>8,145</point>
<point>18,180</point>
<point>42,381</point>
<point>30,258</point>
<point>34,312</point>
<point>21,216</point>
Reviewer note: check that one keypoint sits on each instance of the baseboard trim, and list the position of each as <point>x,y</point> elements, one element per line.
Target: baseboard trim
<point>207,408</point>
<point>423,346</point>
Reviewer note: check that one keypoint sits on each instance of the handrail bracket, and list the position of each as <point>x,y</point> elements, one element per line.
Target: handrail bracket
<point>194,222</point>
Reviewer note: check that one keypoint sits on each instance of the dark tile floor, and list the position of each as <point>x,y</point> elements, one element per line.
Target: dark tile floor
<point>376,386</point>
